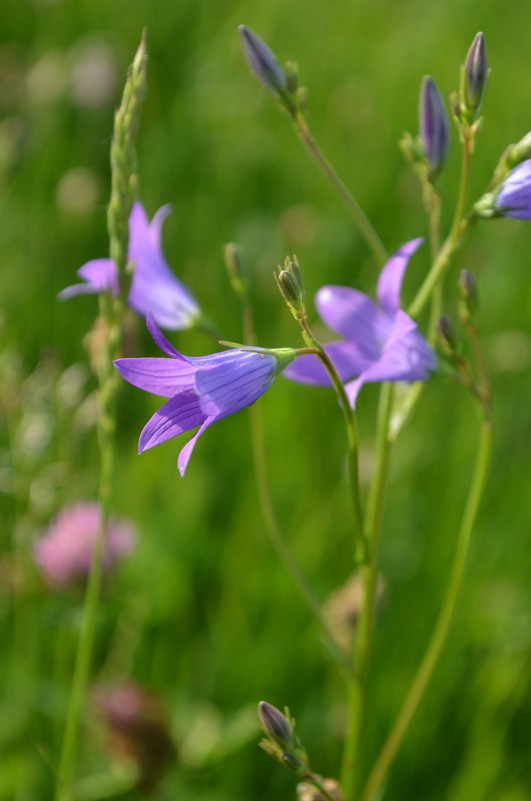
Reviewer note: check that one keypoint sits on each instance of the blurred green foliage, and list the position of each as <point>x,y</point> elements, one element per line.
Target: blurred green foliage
<point>203,613</point>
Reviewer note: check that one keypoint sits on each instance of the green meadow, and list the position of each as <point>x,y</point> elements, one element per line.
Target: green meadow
<point>202,612</point>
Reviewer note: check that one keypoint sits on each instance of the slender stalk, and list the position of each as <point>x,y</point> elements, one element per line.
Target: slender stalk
<point>268,510</point>
<point>351,762</point>
<point>460,227</point>
<point>123,190</point>
<point>360,548</point>
<point>440,634</point>
<point>365,226</point>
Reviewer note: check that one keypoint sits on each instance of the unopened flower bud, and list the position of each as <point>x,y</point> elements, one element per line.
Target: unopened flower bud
<point>275,724</point>
<point>434,128</point>
<point>290,284</point>
<point>475,77</point>
<point>291,762</point>
<point>446,332</point>
<point>469,294</point>
<point>263,63</point>
<point>236,268</point>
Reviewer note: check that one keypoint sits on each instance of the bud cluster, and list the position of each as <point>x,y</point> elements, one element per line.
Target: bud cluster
<point>282,83</point>
<point>280,742</point>
<point>474,75</point>
<point>291,286</point>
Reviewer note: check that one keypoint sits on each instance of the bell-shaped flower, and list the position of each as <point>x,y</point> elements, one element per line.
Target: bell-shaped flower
<point>201,389</point>
<point>382,343</point>
<point>514,196</point>
<point>154,288</point>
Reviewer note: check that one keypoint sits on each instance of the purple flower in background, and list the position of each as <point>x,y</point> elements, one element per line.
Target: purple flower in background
<point>514,197</point>
<point>434,127</point>
<point>381,342</point>
<point>64,553</point>
<point>154,288</point>
<point>201,389</point>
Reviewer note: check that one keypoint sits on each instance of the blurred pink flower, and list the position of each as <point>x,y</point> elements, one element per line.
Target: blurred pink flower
<point>64,553</point>
<point>138,728</point>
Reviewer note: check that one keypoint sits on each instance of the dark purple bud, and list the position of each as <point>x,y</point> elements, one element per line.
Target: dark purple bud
<point>514,197</point>
<point>275,724</point>
<point>469,293</point>
<point>476,73</point>
<point>433,125</point>
<point>446,332</point>
<point>263,62</point>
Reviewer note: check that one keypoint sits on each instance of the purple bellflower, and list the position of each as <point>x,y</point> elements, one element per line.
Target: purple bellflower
<point>201,389</point>
<point>514,197</point>
<point>154,288</point>
<point>382,343</point>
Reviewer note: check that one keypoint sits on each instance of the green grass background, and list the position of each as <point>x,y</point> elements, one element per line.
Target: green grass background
<point>203,613</point>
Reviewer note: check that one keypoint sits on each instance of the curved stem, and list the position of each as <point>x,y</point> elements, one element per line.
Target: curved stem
<point>460,227</point>
<point>360,547</point>
<point>365,226</point>
<point>440,634</point>
<point>268,511</point>
<point>363,643</point>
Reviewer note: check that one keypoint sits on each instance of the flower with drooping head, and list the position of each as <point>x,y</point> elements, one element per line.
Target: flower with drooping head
<point>514,196</point>
<point>201,389</point>
<point>64,553</point>
<point>154,288</point>
<point>434,128</point>
<point>382,343</point>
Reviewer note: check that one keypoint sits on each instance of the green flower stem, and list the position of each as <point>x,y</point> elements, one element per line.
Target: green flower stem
<point>440,634</point>
<point>82,664</point>
<point>432,204</point>
<point>351,762</point>
<point>365,226</point>
<point>268,510</point>
<point>123,191</point>
<point>460,226</point>
<point>360,545</point>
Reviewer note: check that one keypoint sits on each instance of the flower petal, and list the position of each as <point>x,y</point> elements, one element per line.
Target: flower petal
<point>160,340</point>
<point>100,275</point>
<point>235,381</point>
<point>186,452</point>
<point>390,280</point>
<point>154,288</point>
<point>514,197</point>
<point>406,356</point>
<point>181,413</point>
<point>356,317</point>
<point>347,357</point>
<point>160,376</point>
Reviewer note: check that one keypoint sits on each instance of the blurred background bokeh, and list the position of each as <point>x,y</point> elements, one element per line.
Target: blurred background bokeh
<point>202,614</point>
